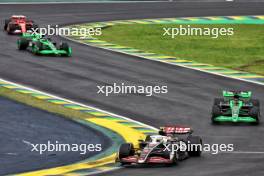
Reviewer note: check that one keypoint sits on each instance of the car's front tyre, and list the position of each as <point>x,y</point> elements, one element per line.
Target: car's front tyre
<point>125,150</point>
<point>65,47</point>
<point>216,111</point>
<point>22,43</point>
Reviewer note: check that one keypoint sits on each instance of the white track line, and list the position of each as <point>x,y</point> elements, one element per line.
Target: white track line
<point>247,152</point>
<point>241,79</point>
<point>243,152</point>
<point>74,102</point>
<point>110,113</point>
<point>81,2</point>
<point>143,124</point>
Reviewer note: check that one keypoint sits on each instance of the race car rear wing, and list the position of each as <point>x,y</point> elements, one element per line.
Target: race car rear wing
<point>174,130</point>
<point>241,94</point>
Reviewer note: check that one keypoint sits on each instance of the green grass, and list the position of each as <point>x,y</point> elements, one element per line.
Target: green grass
<point>242,51</point>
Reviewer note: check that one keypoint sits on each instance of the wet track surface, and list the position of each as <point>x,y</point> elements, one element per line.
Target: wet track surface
<point>22,126</point>
<point>190,95</point>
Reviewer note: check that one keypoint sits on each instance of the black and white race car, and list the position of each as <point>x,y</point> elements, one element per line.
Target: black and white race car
<point>172,144</point>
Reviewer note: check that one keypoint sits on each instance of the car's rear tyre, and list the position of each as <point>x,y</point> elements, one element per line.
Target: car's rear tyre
<point>11,28</point>
<point>22,43</point>
<point>125,150</point>
<point>255,103</point>
<point>65,47</point>
<point>35,27</point>
<point>196,146</point>
<point>32,26</point>
<point>255,113</point>
<point>6,24</point>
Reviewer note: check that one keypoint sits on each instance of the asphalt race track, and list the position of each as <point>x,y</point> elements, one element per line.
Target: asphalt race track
<point>22,126</point>
<point>190,95</point>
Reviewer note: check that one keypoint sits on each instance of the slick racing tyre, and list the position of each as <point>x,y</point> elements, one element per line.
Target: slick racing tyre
<point>195,143</point>
<point>33,26</point>
<point>255,113</point>
<point>6,24</point>
<point>65,47</point>
<point>217,101</point>
<point>216,111</point>
<point>22,43</point>
<point>255,102</point>
<point>125,150</point>
<point>11,28</point>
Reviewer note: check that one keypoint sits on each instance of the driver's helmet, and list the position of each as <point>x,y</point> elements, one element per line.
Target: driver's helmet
<point>236,98</point>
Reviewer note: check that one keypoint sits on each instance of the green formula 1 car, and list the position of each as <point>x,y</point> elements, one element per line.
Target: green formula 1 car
<point>236,106</point>
<point>40,45</point>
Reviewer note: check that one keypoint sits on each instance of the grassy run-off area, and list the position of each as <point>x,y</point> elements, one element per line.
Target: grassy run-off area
<point>242,51</point>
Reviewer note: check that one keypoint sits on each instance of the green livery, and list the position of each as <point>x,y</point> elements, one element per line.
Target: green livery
<point>236,106</point>
<point>40,45</point>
